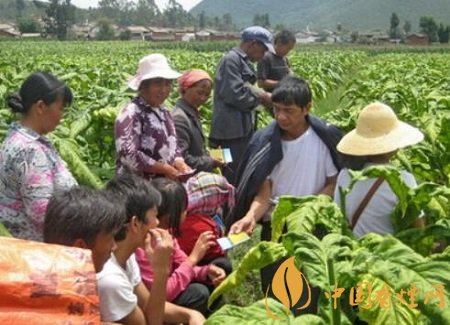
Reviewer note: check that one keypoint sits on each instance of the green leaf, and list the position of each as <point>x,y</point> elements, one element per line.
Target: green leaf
<point>257,314</point>
<point>4,232</point>
<point>257,257</point>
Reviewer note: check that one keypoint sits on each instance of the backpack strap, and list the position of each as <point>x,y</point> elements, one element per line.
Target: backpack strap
<point>365,201</point>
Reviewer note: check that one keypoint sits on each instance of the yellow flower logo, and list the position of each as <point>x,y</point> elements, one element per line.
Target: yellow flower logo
<point>287,288</point>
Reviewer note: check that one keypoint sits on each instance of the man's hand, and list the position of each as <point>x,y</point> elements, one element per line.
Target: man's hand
<point>266,99</point>
<point>246,224</point>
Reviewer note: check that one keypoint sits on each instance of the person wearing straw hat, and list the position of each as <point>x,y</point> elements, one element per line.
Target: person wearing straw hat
<point>234,117</point>
<point>376,139</point>
<point>195,88</point>
<point>145,134</point>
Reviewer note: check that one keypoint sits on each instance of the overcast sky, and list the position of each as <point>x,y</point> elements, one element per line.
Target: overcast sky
<point>187,4</point>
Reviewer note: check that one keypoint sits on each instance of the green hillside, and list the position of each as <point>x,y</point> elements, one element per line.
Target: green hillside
<point>319,14</point>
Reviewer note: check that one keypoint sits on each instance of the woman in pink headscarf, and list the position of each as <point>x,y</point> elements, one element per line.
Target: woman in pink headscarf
<point>195,88</point>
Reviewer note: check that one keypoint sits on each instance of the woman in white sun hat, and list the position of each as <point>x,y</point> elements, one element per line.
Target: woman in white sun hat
<point>377,137</point>
<point>144,130</point>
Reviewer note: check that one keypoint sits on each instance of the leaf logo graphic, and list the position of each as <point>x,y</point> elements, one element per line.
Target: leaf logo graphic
<point>287,288</point>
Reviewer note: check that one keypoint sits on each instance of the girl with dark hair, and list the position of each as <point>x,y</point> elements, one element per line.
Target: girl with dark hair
<point>30,168</point>
<point>188,284</point>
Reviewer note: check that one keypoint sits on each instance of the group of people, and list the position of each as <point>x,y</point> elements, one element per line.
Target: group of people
<point>153,229</point>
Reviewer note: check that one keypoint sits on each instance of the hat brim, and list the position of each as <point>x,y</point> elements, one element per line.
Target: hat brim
<point>136,80</point>
<point>357,145</point>
<point>270,47</point>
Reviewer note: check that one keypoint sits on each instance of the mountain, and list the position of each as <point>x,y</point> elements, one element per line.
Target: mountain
<point>326,14</point>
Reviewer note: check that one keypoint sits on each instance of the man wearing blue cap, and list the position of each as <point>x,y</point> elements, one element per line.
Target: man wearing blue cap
<point>233,120</point>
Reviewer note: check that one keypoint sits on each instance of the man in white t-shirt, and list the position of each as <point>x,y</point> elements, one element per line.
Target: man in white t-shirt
<point>294,156</point>
<point>123,296</point>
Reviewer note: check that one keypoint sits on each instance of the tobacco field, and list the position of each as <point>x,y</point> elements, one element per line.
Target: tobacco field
<point>415,84</point>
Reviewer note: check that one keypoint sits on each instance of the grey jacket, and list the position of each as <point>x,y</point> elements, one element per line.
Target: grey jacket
<point>234,104</point>
<point>190,138</point>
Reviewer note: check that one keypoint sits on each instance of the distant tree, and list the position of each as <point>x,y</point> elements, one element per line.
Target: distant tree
<point>261,20</point>
<point>125,35</point>
<point>429,27</point>
<point>394,31</point>
<point>257,19</point>
<point>216,23</point>
<point>29,26</point>
<point>279,27</point>
<point>202,20</point>
<point>407,27</point>
<point>175,16</point>
<point>59,16</point>
<point>443,33</point>
<point>20,7</point>
<point>145,13</point>
<point>266,20</point>
<point>109,9</point>
<point>105,30</point>
<point>227,22</point>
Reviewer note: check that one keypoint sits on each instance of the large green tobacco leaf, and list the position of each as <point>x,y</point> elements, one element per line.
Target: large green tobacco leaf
<point>257,314</point>
<point>257,257</point>
<point>69,151</point>
<point>302,214</point>
<point>312,255</point>
<point>384,312</point>
<point>389,261</point>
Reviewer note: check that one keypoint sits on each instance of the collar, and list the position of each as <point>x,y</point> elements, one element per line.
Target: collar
<point>188,109</point>
<point>142,103</point>
<point>241,53</point>
<point>29,133</point>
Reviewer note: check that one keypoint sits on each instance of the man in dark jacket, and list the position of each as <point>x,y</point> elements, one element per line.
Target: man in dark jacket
<point>233,119</point>
<point>296,155</point>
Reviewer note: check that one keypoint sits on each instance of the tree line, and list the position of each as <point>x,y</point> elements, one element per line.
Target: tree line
<point>428,26</point>
<point>59,15</point>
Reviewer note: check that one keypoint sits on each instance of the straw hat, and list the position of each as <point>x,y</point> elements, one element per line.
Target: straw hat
<point>378,131</point>
<point>152,66</point>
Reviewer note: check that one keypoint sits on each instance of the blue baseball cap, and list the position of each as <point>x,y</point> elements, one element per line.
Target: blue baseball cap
<point>258,33</point>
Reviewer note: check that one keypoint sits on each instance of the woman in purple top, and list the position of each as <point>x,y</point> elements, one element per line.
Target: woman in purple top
<point>145,134</point>
<point>30,168</point>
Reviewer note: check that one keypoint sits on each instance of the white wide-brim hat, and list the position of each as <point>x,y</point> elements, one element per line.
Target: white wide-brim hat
<point>378,131</point>
<point>150,67</point>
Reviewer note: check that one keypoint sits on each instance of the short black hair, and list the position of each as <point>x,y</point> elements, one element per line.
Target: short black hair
<point>292,90</point>
<point>135,193</point>
<point>80,213</point>
<point>284,37</point>
<point>39,86</point>
<point>174,202</point>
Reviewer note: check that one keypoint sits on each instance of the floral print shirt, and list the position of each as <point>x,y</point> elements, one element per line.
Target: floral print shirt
<point>145,135</point>
<point>31,170</point>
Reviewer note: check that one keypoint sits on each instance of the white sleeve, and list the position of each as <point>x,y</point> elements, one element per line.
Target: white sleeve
<point>135,272</point>
<point>117,298</point>
<point>330,168</point>
<point>409,179</point>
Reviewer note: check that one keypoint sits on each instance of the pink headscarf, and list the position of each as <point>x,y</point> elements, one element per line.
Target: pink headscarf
<point>191,77</point>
